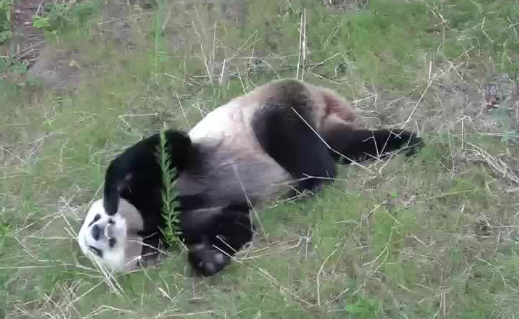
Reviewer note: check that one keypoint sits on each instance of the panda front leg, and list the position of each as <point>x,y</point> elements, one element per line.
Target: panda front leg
<point>136,174</point>
<point>215,236</point>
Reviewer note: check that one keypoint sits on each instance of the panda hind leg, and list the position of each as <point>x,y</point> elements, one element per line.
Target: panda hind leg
<point>359,145</point>
<point>286,134</point>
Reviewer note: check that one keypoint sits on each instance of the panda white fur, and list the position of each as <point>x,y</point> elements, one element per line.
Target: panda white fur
<point>281,138</point>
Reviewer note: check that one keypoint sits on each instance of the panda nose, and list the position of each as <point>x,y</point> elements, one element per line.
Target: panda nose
<point>96,232</point>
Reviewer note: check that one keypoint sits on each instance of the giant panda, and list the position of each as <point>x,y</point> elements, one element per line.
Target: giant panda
<point>280,139</point>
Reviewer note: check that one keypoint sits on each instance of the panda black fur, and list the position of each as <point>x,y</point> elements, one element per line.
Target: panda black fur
<point>281,138</point>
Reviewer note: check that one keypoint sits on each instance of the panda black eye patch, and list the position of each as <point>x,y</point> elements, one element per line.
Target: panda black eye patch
<point>97,251</point>
<point>96,218</point>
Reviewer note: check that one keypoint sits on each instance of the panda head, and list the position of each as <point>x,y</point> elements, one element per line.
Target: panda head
<point>112,241</point>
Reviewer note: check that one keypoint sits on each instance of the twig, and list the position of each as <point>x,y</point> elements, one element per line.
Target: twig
<point>318,274</point>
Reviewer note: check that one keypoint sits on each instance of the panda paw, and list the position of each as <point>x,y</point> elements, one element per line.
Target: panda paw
<point>409,141</point>
<point>207,260</point>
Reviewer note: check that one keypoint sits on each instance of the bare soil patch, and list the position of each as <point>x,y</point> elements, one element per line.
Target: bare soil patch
<point>59,69</point>
<point>27,41</point>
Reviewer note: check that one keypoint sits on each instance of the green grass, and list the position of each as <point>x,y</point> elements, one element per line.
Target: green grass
<point>431,236</point>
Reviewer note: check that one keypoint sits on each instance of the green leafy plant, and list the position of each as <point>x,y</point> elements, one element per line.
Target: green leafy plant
<point>63,16</point>
<point>171,231</point>
<point>5,20</point>
<point>9,64</point>
<point>40,22</point>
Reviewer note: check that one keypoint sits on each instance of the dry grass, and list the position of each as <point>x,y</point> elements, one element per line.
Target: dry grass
<point>428,237</point>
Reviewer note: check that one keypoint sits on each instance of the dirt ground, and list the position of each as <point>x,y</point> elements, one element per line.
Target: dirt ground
<point>59,69</point>
<point>27,41</point>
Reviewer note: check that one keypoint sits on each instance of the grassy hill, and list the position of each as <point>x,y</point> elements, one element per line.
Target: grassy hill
<point>434,236</point>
